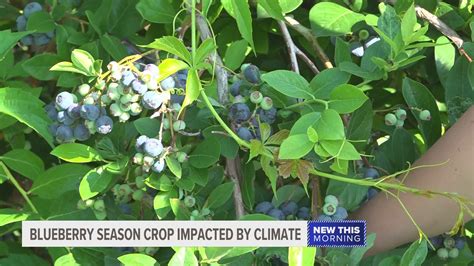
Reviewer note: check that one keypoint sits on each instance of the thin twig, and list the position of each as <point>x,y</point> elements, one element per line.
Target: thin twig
<point>233,167</point>
<point>443,28</point>
<point>290,45</point>
<point>309,36</point>
<point>307,60</point>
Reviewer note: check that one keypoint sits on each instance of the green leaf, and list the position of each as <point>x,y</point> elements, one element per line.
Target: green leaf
<point>287,193</point>
<point>356,70</point>
<point>66,260</point>
<point>256,148</point>
<point>83,61</point>
<point>147,126</point>
<point>27,109</point>
<point>9,216</point>
<point>312,135</point>
<point>204,50</point>
<point>206,154</point>
<point>270,171</point>
<point>76,153</point>
<point>95,182</point>
<point>301,256</point>
<point>360,125</point>
<point>288,83</point>
<point>346,99</point>
<point>304,122</point>
<point>244,19</point>
<point>67,67</point>
<point>171,45</point>
<point>174,166</point>
<point>235,54</point>
<point>330,126</point>
<point>295,147</point>
<point>161,203</point>
<point>324,83</point>
<point>184,256</point>
<point>408,24</point>
<point>9,39</point>
<point>193,89</point>
<point>342,53</point>
<point>58,179</point>
<point>248,185</point>
<point>220,195</point>
<point>39,66</point>
<point>418,96</point>
<point>330,19</point>
<point>288,6</point>
<point>137,259</point>
<point>113,46</point>
<point>272,7</point>
<point>415,254</point>
<point>445,54</point>
<point>389,23</point>
<point>457,83</point>
<point>357,253</point>
<point>156,11</point>
<point>40,22</point>
<point>24,162</point>
<point>170,66</point>
<point>342,149</point>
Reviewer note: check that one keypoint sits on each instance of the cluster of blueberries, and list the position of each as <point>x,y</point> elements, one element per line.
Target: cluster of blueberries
<point>148,154</point>
<point>397,117</point>
<point>286,211</point>
<point>97,206</point>
<point>76,121</point>
<point>331,210</point>
<point>246,124</point>
<point>124,193</point>
<point>448,246</point>
<point>21,22</point>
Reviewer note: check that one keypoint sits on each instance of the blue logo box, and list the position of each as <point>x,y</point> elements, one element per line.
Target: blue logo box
<point>348,233</point>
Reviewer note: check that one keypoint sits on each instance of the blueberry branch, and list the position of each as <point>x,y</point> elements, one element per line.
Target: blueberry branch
<point>18,187</point>
<point>290,45</point>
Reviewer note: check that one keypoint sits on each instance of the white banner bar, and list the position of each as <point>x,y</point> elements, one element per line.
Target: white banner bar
<point>164,233</point>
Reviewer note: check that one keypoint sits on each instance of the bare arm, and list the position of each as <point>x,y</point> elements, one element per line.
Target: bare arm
<point>435,215</point>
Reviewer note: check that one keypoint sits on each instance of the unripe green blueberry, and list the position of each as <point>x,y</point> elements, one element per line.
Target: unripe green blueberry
<point>176,107</point>
<point>150,251</point>
<point>205,212</point>
<point>125,107</point>
<point>401,114</point>
<point>256,97</point>
<point>105,99</point>
<point>138,195</point>
<point>140,182</point>
<point>331,199</point>
<point>124,117</point>
<point>100,85</point>
<point>138,158</point>
<point>84,89</point>
<point>122,90</point>
<point>90,203</point>
<point>135,98</point>
<point>189,201</point>
<point>148,161</point>
<point>179,125</point>
<point>181,156</point>
<point>88,100</point>
<point>239,99</point>
<point>453,253</point>
<point>363,35</point>
<point>329,208</point>
<point>390,119</point>
<point>166,124</point>
<point>442,253</point>
<point>115,110</point>
<point>195,213</point>
<point>267,103</point>
<point>81,205</point>
<point>425,115</point>
<point>100,215</point>
<point>125,190</point>
<point>99,205</point>
<point>113,92</point>
<point>135,109</point>
<point>449,242</point>
<point>126,98</point>
<point>399,123</point>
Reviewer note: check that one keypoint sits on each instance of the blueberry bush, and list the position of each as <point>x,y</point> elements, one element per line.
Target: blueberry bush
<point>226,110</point>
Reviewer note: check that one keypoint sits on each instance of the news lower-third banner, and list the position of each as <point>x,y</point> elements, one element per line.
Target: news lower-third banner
<point>193,233</point>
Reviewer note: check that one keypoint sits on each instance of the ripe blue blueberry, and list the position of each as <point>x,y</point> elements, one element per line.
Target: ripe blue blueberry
<point>304,213</point>
<point>371,173</point>
<point>81,132</point>
<point>64,134</point>
<point>104,124</point>
<point>139,87</point>
<point>158,166</point>
<point>324,217</point>
<point>40,39</point>
<point>277,214</point>
<point>53,128</point>
<point>64,100</point>
<point>239,112</point>
<point>90,112</point>
<point>267,116</point>
<point>74,111</point>
<point>127,77</point>
<point>152,100</point>
<point>21,23</point>
<point>459,242</point>
<point>371,193</point>
<point>181,78</point>
<point>27,40</point>
<point>153,147</point>
<point>436,241</point>
<point>252,74</point>
<point>140,142</point>
<point>235,88</point>
<point>244,133</point>
<point>64,118</point>
<point>289,208</point>
<point>51,111</point>
<point>31,8</point>
<point>125,209</point>
<point>341,214</point>
<point>168,83</point>
<point>263,207</point>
